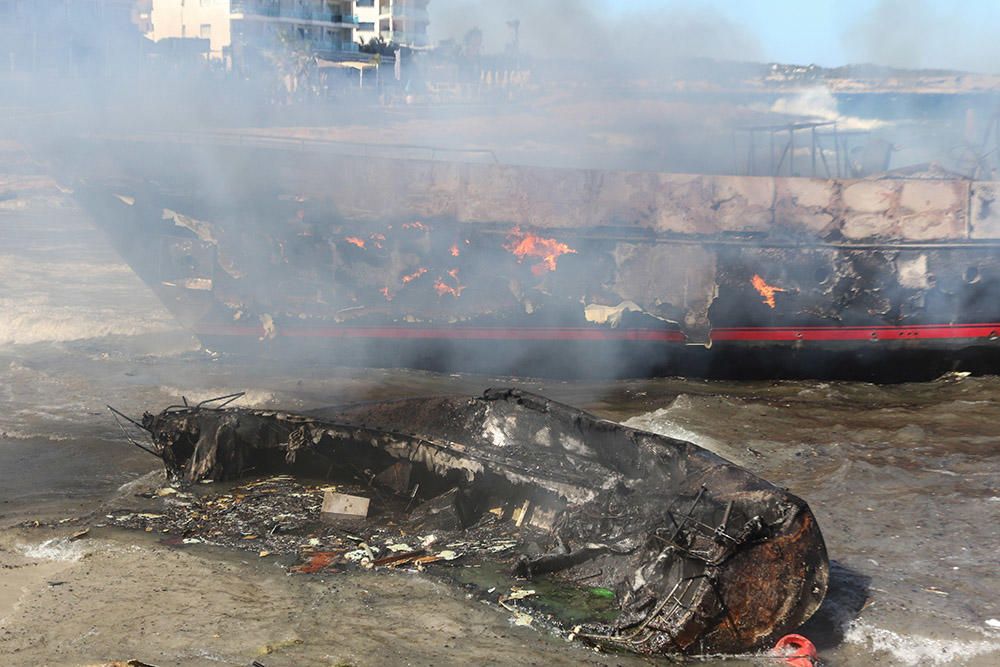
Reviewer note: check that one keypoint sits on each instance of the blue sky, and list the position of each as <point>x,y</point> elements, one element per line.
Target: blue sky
<point>828,32</point>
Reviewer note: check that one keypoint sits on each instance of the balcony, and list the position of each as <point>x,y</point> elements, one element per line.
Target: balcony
<point>248,9</point>
<point>331,50</point>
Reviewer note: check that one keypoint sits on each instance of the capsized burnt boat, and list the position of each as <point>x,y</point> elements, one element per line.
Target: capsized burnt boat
<point>700,554</point>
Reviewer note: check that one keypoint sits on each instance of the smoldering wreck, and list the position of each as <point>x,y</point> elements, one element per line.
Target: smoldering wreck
<point>691,553</point>
<point>446,264</point>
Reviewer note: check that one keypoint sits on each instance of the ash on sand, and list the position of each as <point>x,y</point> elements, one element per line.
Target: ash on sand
<point>112,595</point>
<point>277,519</point>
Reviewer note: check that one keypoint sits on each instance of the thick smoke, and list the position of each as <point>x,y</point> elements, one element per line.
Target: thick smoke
<point>919,34</point>
<point>656,90</point>
<point>587,30</point>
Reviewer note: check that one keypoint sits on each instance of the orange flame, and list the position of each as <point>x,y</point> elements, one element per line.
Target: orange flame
<point>765,290</point>
<point>386,294</point>
<point>529,245</point>
<point>354,240</point>
<point>419,226</point>
<point>443,288</point>
<point>413,276</point>
<point>454,250</point>
<point>378,238</point>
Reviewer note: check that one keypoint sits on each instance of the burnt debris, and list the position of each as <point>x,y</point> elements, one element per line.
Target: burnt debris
<point>685,551</point>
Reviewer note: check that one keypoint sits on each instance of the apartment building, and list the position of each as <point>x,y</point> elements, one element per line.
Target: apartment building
<point>401,21</point>
<point>368,20</point>
<point>329,28</point>
<point>324,27</point>
<point>202,19</point>
<point>404,22</point>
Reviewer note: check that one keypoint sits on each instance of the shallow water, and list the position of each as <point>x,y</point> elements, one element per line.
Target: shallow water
<point>904,480</point>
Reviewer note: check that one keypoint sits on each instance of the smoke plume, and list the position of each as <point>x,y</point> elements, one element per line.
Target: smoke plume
<point>589,30</point>
<point>919,34</point>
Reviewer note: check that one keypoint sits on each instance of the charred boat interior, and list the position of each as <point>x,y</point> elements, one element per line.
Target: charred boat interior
<point>698,555</point>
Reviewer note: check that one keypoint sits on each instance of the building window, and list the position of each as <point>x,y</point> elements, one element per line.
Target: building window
<point>366,26</point>
<point>205,32</point>
<point>365,3</point>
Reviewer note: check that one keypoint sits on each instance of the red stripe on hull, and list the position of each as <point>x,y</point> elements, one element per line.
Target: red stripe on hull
<point>456,333</point>
<point>873,333</point>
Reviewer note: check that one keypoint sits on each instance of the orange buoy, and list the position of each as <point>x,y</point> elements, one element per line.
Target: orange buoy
<point>796,650</point>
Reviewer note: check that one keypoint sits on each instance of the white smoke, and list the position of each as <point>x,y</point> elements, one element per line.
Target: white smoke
<point>921,34</point>
<point>818,102</point>
<point>590,30</point>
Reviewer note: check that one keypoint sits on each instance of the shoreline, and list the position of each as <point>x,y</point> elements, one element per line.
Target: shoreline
<point>120,595</point>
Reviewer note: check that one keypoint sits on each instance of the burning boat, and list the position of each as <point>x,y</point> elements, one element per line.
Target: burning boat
<point>698,554</point>
<point>298,248</point>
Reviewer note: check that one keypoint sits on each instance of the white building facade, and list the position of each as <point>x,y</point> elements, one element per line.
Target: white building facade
<point>324,27</point>
<point>203,19</point>
<point>367,13</point>
<point>404,22</point>
<point>401,21</point>
<point>330,28</point>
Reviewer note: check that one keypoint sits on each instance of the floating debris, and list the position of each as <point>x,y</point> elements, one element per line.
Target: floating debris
<point>519,593</point>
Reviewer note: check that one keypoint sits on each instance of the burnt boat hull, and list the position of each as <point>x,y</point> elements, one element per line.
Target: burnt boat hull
<point>436,264</point>
<point>702,555</point>
<point>555,356</point>
<point>529,351</point>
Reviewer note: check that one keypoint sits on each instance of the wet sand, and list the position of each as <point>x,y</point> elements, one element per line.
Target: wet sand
<point>122,596</point>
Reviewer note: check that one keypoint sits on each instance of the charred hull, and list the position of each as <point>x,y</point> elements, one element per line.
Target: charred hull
<point>495,268</point>
<point>702,556</point>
